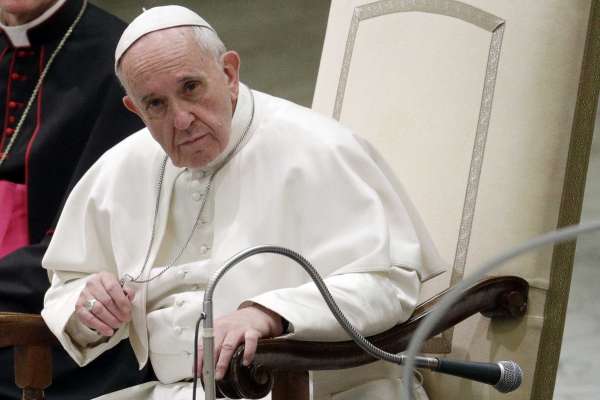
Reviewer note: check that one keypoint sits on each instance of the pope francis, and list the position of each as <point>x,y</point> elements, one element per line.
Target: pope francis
<point>220,168</point>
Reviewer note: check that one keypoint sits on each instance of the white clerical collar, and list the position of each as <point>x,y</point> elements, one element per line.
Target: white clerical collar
<point>18,34</point>
<point>242,118</point>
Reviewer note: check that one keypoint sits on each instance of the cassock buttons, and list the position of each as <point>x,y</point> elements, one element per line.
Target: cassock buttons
<point>9,131</point>
<point>12,104</point>
<point>196,184</point>
<point>203,249</point>
<point>23,53</point>
<point>180,303</point>
<point>12,119</point>
<point>181,274</point>
<point>15,76</point>
<point>178,330</point>
<point>197,196</point>
<point>199,174</point>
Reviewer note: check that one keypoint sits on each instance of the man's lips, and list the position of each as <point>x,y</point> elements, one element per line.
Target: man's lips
<point>192,140</point>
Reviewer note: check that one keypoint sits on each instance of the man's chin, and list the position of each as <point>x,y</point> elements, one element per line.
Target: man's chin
<point>192,162</point>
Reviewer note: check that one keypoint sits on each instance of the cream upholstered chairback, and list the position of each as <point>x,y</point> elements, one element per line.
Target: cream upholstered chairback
<point>477,106</point>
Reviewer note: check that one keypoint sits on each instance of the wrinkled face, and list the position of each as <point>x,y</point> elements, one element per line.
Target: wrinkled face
<point>182,93</point>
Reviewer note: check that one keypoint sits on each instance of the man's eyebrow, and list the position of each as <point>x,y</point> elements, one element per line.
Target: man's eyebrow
<point>199,77</point>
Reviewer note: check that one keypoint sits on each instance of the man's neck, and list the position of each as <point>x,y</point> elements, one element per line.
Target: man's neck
<point>10,19</point>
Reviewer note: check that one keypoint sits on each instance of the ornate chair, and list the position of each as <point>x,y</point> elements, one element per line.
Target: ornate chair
<point>485,111</point>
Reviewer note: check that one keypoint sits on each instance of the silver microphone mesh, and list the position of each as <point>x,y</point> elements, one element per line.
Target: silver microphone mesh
<point>511,376</point>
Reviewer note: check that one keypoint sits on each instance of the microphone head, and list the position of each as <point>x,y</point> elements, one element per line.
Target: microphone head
<point>511,376</point>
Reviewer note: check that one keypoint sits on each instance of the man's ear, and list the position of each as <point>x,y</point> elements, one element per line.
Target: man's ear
<point>129,104</point>
<point>231,67</point>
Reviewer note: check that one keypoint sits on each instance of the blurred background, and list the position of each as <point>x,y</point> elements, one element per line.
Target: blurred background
<point>279,42</point>
<point>280,45</point>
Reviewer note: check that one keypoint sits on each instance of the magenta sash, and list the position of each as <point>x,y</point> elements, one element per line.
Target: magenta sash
<point>14,228</point>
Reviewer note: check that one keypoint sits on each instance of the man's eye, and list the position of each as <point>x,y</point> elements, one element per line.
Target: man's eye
<point>190,86</point>
<point>154,104</point>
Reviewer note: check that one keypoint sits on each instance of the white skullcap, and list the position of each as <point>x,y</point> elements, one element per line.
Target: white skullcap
<point>155,19</point>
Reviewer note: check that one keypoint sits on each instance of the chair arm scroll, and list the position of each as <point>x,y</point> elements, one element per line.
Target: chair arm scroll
<point>494,297</point>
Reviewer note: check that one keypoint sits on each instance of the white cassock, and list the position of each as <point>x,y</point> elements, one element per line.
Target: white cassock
<point>296,179</point>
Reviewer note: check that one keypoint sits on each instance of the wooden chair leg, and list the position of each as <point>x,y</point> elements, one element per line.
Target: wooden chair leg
<point>291,386</point>
<point>33,381</point>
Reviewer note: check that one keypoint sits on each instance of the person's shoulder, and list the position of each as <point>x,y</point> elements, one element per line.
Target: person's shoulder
<point>300,124</point>
<point>121,172</point>
<point>134,150</point>
<point>300,139</point>
<point>103,17</point>
<point>137,144</point>
<point>121,166</point>
<point>93,45</point>
<point>107,26</point>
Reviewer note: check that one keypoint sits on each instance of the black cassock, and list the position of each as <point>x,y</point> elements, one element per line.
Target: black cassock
<point>77,116</point>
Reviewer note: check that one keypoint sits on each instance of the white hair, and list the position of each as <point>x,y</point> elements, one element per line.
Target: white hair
<point>209,41</point>
<point>205,37</point>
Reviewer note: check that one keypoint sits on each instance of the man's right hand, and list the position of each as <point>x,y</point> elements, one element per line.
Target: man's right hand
<point>112,308</point>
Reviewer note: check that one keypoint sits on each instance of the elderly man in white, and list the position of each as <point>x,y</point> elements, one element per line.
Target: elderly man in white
<point>218,169</point>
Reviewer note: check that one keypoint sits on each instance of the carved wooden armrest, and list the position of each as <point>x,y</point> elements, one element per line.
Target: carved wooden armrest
<point>33,342</point>
<point>278,360</point>
<point>281,359</point>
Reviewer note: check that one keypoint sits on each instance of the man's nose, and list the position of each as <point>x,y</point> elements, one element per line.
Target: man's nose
<point>183,118</point>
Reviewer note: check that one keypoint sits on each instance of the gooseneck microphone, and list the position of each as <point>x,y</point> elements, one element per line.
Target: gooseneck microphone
<point>505,376</point>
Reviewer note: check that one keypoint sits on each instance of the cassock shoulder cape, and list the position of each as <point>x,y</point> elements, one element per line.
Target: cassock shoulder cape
<point>301,181</point>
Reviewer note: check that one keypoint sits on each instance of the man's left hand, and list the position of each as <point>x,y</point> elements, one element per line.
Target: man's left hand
<point>245,325</point>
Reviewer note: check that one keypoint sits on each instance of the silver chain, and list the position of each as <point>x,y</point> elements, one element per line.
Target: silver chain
<point>129,278</point>
<point>40,80</point>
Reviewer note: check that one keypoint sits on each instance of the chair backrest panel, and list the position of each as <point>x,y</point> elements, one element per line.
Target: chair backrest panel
<point>472,104</point>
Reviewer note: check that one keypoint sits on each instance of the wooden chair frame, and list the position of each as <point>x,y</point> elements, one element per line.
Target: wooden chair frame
<point>281,365</point>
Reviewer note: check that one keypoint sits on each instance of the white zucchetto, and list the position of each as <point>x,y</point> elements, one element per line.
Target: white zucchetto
<point>156,19</point>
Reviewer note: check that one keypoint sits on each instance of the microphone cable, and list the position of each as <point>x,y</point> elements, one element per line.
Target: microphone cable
<point>360,340</point>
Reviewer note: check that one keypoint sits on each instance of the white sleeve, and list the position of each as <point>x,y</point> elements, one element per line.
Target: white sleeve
<point>81,334</point>
<point>58,312</point>
<point>372,302</point>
